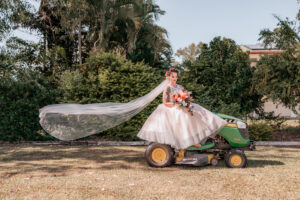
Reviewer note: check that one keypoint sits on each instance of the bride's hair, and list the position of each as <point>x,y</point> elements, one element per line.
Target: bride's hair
<point>172,69</point>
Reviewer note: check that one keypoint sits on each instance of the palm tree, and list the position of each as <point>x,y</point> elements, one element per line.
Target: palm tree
<point>152,44</point>
<point>76,27</point>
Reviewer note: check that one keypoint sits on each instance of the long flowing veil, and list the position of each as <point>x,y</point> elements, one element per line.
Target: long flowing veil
<point>73,121</point>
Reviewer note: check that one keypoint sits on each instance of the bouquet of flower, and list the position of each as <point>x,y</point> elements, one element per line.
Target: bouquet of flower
<point>184,100</point>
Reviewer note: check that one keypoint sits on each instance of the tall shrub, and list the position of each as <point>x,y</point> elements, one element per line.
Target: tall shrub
<point>260,131</point>
<point>21,96</point>
<point>109,77</point>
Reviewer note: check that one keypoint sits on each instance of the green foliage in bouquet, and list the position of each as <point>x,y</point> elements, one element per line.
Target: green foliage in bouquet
<point>221,78</point>
<point>108,77</point>
<point>22,94</point>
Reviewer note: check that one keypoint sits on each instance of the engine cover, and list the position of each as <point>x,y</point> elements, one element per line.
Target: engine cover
<point>194,158</point>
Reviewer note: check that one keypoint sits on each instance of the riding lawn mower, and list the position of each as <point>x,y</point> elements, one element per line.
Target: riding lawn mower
<point>229,143</point>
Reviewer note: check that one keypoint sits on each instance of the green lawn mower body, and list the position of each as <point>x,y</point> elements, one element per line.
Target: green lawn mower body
<point>229,144</point>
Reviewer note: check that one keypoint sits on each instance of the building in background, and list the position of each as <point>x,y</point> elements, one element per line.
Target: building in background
<point>256,51</point>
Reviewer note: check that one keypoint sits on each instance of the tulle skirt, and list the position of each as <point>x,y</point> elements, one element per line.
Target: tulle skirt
<point>178,128</point>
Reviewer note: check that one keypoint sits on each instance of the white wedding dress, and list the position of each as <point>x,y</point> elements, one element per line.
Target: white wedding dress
<point>176,126</point>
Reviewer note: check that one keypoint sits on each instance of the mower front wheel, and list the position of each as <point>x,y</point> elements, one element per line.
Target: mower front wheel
<point>159,155</point>
<point>235,158</point>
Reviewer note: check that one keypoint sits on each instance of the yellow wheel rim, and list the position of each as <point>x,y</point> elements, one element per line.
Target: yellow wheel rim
<point>236,160</point>
<point>159,155</point>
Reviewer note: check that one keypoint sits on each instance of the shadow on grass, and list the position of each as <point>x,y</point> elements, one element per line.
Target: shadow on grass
<point>221,165</point>
<point>283,156</point>
<point>57,159</point>
<point>59,153</point>
<point>64,159</point>
<point>262,163</point>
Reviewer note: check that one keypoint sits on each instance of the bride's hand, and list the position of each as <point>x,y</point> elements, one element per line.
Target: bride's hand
<point>177,105</point>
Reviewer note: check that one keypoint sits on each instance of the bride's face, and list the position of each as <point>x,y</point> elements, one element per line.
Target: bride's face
<point>173,78</point>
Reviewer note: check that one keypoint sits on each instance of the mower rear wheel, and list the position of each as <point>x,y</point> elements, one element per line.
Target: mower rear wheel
<point>159,155</point>
<point>235,158</point>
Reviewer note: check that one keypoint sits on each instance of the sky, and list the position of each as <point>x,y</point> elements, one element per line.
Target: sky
<point>193,21</point>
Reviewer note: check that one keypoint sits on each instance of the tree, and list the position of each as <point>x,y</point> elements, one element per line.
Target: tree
<point>73,15</point>
<point>284,36</point>
<point>11,14</point>
<point>152,45</point>
<point>278,76</point>
<point>6,64</point>
<point>190,52</point>
<point>221,78</point>
<point>72,28</point>
<point>23,53</point>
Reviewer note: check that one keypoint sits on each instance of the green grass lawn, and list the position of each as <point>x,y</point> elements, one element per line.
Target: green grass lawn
<point>93,172</point>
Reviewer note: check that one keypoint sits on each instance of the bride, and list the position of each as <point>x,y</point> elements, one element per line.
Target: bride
<point>173,125</point>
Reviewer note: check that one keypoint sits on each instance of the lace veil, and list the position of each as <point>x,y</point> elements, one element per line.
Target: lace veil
<point>73,121</point>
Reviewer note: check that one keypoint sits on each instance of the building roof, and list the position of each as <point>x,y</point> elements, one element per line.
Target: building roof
<point>260,46</point>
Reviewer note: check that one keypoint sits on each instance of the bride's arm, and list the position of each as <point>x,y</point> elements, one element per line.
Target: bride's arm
<point>166,97</point>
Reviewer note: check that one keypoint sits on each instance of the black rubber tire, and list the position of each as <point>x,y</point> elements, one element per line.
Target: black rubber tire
<point>169,155</point>
<point>222,156</point>
<point>233,152</point>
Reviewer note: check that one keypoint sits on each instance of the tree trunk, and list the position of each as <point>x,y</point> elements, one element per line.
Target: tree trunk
<point>79,44</point>
<point>45,52</point>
